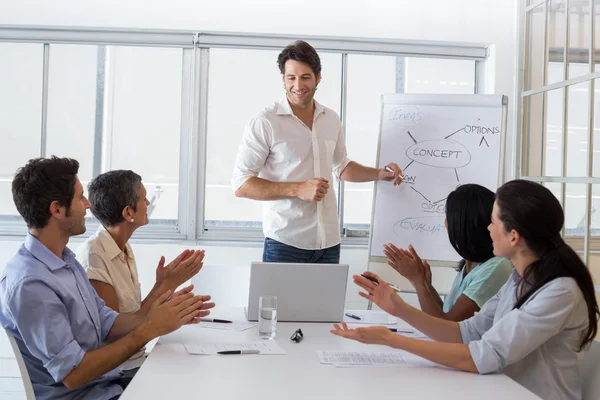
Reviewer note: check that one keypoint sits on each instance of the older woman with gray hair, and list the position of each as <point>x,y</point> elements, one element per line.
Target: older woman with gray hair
<point>118,201</point>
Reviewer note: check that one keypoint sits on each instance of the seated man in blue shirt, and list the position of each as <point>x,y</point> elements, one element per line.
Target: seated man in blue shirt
<point>70,341</point>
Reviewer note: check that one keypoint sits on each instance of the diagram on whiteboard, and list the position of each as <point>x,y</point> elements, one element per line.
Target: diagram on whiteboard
<point>438,149</point>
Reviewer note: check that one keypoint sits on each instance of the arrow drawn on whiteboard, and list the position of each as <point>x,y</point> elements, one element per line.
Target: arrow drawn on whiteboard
<point>429,201</point>
<point>456,172</point>
<point>404,170</point>
<point>411,136</point>
<point>439,201</point>
<point>453,133</point>
<point>483,140</point>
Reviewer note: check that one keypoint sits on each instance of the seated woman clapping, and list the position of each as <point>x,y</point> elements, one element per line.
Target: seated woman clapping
<point>480,273</point>
<point>118,201</point>
<point>536,325</point>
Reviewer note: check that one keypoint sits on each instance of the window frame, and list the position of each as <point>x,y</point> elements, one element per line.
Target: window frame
<point>585,244</point>
<point>191,225</point>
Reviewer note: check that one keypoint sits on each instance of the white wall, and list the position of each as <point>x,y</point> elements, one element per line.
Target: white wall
<point>488,22</point>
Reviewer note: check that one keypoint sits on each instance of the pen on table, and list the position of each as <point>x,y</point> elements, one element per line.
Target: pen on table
<point>239,352</point>
<point>388,169</point>
<point>223,321</point>
<point>352,316</point>
<point>401,330</point>
<point>396,288</point>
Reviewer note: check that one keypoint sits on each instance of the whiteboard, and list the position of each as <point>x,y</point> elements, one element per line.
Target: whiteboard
<point>440,142</point>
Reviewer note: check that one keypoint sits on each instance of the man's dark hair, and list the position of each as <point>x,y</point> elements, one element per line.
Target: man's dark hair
<point>40,182</point>
<point>111,192</point>
<point>302,52</point>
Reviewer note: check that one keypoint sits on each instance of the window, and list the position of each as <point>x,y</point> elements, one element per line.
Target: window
<point>534,46</point>
<point>578,108</point>
<point>559,145</point>
<point>553,151</point>
<point>579,39</point>
<point>107,107</point>
<point>21,81</point>
<point>368,78</point>
<point>143,122</point>
<point>236,93</point>
<point>71,125</point>
<point>172,107</point>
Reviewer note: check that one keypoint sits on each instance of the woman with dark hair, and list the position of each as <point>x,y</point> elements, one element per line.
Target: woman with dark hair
<point>536,325</point>
<point>480,274</point>
<point>118,200</point>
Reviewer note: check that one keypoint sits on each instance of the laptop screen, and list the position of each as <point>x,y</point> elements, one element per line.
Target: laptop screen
<point>305,292</point>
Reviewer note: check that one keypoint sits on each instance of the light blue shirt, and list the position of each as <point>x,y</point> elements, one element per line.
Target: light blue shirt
<point>55,315</point>
<point>481,283</point>
<point>536,345</point>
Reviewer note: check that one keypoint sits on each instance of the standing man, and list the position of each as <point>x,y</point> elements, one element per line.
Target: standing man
<point>294,145</point>
<point>72,343</point>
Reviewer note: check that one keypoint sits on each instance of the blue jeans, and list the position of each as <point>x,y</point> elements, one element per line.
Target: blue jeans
<point>275,251</point>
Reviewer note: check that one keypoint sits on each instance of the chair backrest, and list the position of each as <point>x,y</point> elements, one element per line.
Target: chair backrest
<point>22,368</point>
<point>590,372</point>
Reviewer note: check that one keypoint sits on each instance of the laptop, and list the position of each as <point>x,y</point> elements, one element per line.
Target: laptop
<point>305,292</point>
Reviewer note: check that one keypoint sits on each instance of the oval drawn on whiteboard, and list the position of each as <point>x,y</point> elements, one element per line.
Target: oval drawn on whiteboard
<point>440,153</point>
<point>422,225</point>
<point>406,115</point>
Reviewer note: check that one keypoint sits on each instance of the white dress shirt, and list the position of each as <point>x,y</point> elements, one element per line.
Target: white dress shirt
<point>535,345</point>
<point>278,147</point>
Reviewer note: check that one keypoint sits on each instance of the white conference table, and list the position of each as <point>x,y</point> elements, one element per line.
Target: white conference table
<point>171,373</point>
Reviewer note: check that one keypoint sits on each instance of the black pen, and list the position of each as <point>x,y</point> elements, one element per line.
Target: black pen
<point>402,330</point>
<point>238,352</point>
<point>223,321</point>
<point>374,280</point>
<point>352,316</point>
<point>370,278</point>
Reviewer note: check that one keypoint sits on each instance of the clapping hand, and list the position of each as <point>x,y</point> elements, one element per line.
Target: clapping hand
<point>408,264</point>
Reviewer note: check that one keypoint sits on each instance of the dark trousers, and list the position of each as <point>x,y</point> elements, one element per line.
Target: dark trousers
<point>275,251</point>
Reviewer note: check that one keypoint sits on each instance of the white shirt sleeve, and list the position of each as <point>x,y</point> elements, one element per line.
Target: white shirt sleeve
<point>473,328</point>
<point>340,156</point>
<point>253,151</point>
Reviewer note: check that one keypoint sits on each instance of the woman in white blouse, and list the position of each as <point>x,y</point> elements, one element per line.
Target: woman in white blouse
<point>118,201</point>
<point>536,325</point>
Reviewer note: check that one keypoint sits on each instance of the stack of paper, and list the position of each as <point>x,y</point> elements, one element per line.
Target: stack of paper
<point>349,358</point>
<point>266,347</point>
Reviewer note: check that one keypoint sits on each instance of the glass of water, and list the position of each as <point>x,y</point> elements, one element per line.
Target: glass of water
<point>267,317</point>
